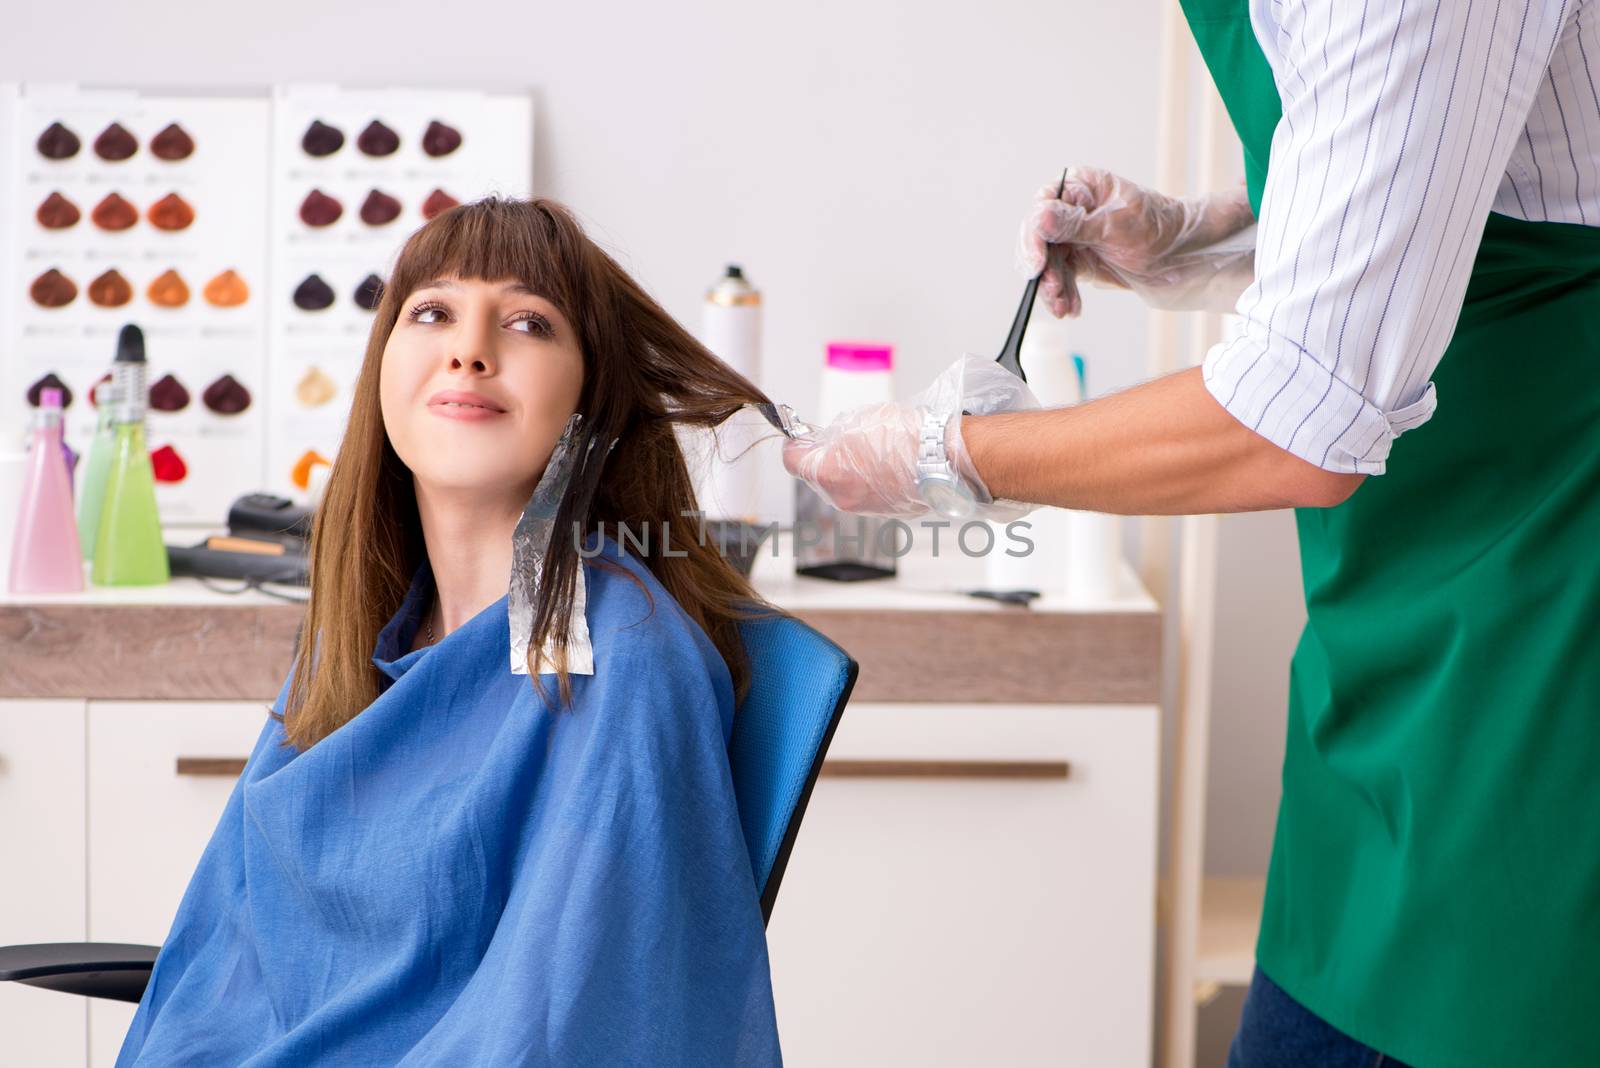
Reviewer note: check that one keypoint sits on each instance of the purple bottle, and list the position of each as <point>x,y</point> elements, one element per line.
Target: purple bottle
<point>44,553</point>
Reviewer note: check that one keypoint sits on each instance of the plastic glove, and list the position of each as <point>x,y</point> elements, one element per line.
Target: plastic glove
<point>865,461</point>
<point>1175,252</point>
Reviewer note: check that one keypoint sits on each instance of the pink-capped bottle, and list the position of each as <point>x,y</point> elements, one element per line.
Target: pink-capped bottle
<point>44,551</point>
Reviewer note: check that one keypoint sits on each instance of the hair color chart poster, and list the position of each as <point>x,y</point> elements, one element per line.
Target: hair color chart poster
<point>355,171</point>
<point>130,207</point>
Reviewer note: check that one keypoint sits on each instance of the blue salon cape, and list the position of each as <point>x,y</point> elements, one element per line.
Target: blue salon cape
<point>460,876</point>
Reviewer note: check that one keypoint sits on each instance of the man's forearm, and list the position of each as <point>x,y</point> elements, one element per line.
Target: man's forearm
<point>1162,448</point>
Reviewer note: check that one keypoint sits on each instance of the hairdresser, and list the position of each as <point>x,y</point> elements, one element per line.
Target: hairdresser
<point>1417,374</point>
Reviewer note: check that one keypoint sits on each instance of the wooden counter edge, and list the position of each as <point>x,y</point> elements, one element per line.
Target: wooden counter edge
<point>242,652</point>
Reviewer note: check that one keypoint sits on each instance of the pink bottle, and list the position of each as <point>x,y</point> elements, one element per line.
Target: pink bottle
<point>44,553</point>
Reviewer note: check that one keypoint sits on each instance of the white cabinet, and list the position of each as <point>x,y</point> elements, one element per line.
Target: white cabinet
<point>956,901</point>
<point>149,819</point>
<point>41,871</point>
<point>973,884</point>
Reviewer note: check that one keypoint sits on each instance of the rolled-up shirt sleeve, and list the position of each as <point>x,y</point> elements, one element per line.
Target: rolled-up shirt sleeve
<point>1398,121</point>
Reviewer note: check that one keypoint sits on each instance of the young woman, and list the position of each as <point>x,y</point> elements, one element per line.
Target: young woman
<point>428,858</point>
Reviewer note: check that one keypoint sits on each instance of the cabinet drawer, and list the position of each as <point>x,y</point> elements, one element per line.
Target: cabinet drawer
<point>149,822</point>
<point>42,854</point>
<point>976,888</point>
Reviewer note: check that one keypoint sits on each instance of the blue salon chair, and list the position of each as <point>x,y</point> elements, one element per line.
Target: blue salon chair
<point>800,682</point>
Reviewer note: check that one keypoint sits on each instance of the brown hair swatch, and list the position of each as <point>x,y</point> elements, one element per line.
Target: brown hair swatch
<point>226,396</point>
<point>172,144</point>
<point>171,212</point>
<point>439,139</point>
<point>321,139</point>
<point>369,292</point>
<point>115,143</point>
<point>379,208</point>
<point>378,140</point>
<point>438,202</point>
<point>169,395</point>
<point>49,381</point>
<point>110,290</point>
<point>57,213</point>
<point>58,142</point>
<point>114,213</point>
<point>319,209</point>
<point>53,290</point>
<point>312,294</point>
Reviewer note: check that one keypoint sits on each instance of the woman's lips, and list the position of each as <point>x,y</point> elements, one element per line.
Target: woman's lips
<point>462,410</point>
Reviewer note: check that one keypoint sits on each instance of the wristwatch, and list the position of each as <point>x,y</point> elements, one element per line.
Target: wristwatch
<point>937,482</point>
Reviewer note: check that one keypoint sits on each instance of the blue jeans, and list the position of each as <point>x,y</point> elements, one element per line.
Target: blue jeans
<point>1276,1031</point>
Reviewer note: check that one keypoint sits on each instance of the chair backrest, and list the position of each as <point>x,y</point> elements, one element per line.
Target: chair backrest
<point>799,684</point>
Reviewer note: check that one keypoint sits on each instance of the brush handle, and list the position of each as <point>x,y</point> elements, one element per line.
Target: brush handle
<point>1011,354</point>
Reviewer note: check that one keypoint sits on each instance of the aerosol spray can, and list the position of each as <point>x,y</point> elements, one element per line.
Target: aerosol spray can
<point>725,465</point>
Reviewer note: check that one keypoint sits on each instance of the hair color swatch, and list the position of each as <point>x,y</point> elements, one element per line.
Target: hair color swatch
<point>58,142</point>
<point>369,292</point>
<point>110,290</point>
<point>53,290</point>
<point>438,201</point>
<point>114,213</point>
<point>171,212</point>
<point>378,140</point>
<point>167,465</point>
<point>315,388</point>
<point>172,144</point>
<point>49,381</point>
<point>300,475</point>
<point>379,208</point>
<point>226,396</point>
<point>320,139</point>
<point>168,290</point>
<point>56,212</point>
<point>168,395</point>
<point>226,290</point>
<point>319,209</point>
<point>115,144</point>
<point>439,139</point>
<point>313,294</point>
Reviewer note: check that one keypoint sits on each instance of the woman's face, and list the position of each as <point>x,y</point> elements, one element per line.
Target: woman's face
<point>477,382</point>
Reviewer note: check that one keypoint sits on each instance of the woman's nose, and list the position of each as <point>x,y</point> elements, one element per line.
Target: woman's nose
<point>472,349</point>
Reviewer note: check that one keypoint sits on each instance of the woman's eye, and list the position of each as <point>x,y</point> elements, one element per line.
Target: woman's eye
<point>420,315</point>
<point>537,325</point>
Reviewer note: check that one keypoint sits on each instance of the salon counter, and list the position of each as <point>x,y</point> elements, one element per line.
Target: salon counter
<point>915,636</point>
<point>974,881</point>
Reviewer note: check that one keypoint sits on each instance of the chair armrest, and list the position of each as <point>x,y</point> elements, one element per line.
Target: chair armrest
<point>114,970</point>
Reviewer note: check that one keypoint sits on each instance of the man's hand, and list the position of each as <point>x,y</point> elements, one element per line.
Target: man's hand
<point>1175,252</point>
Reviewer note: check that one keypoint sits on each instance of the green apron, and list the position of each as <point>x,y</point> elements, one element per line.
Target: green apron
<point>1434,890</point>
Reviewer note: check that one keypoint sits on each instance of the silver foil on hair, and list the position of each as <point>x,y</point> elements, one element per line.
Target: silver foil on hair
<point>529,547</point>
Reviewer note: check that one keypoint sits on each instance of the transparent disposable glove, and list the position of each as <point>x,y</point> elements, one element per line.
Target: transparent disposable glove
<point>1175,252</point>
<point>865,461</point>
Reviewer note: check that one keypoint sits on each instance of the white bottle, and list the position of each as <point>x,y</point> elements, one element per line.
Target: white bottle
<point>723,464</point>
<point>1047,361</point>
<point>828,543</point>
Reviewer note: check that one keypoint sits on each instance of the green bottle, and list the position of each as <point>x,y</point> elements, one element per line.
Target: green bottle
<point>92,486</point>
<point>128,547</point>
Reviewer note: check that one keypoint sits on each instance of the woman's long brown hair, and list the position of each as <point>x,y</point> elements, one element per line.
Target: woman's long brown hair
<point>643,374</point>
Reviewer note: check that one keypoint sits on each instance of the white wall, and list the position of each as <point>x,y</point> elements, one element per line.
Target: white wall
<point>867,161</point>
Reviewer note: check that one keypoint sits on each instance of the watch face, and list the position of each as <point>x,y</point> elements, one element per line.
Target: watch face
<point>946,498</point>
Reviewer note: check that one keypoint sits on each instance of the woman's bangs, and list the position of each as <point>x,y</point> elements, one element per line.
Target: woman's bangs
<point>487,240</point>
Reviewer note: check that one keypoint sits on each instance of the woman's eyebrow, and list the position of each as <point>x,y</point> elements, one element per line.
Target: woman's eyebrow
<point>510,288</point>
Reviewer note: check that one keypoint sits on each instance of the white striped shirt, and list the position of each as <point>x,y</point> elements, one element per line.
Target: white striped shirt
<point>1405,122</point>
